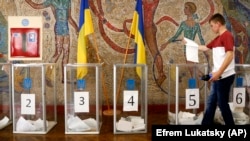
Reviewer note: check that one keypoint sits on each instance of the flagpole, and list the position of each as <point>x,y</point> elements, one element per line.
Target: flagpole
<point>121,77</point>
<point>84,9</point>
<point>109,111</point>
<point>125,57</point>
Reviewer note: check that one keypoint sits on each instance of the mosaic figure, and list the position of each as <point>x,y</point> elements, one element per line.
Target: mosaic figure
<point>62,13</point>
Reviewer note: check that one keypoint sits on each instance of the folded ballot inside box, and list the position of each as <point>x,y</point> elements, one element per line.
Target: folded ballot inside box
<point>24,125</point>
<point>130,124</point>
<point>4,122</point>
<point>240,117</point>
<point>185,118</point>
<point>78,125</point>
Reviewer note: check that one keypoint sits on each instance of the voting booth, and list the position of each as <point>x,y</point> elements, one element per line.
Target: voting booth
<point>240,96</point>
<point>130,98</point>
<point>5,95</point>
<point>34,98</point>
<point>83,98</point>
<point>187,93</point>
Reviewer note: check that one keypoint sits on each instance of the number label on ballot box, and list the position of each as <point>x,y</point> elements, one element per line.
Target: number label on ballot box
<point>192,98</point>
<point>28,104</point>
<point>239,97</point>
<point>130,100</point>
<point>81,102</point>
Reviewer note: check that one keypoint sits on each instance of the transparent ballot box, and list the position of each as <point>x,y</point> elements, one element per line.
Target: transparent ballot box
<point>5,95</point>
<point>130,98</point>
<point>82,97</point>
<point>187,92</point>
<point>34,98</point>
<point>240,96</point>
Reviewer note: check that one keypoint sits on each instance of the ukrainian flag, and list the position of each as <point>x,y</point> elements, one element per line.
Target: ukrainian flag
<point>85,28</point>
<point>137,29</point>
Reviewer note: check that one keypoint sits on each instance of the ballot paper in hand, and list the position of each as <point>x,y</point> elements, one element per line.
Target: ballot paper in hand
<point>191,50</point>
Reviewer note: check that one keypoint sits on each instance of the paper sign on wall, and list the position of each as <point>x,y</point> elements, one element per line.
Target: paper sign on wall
<point>25,37</point>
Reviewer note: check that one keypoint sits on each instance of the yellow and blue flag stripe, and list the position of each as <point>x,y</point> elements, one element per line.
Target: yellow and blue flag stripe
<point>137,29</point>
<point>85,28</point>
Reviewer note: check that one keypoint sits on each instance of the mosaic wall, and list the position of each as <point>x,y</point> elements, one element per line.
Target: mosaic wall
<point>163,20</point>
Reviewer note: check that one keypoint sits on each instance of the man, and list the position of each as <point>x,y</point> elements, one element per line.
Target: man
<point>223,74</point>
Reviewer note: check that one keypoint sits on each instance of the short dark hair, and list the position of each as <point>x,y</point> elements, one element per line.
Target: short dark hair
<point>218,18</point>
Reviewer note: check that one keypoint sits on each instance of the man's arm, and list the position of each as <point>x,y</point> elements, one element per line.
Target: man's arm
<point>203,48</point>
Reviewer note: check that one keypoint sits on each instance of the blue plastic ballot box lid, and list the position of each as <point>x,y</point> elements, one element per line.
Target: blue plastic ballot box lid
<point>130,84</point>
<point>191,83</point>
